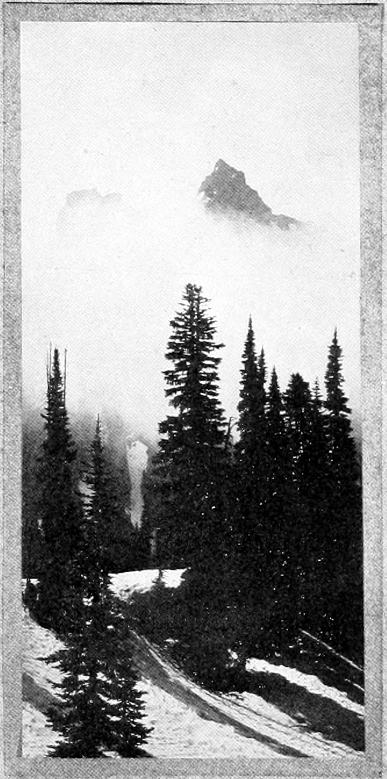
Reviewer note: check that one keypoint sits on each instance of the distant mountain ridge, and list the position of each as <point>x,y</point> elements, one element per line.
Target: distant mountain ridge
<point>225,191</point>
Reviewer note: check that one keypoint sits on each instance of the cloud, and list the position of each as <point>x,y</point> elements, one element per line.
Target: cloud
<point>85,210</point>
<point>91,196</point>
<point>115,274</point>
<point>103,273</point>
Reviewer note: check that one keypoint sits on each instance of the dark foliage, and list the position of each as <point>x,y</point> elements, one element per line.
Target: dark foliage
<point>123,537</point>
<point>343,535</point>
<point>185,479</point>
<point>188,501</point>
<point>60,511</point>
<point>102,709</point>
<point>280,625</point>
<point>251,496</point>
<point>298,407</point>
<point>298,508</point>
<point>31,497</point>
<point>269,529</point>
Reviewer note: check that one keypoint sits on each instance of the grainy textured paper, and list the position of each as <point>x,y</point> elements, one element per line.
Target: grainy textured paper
<point>368,18</point>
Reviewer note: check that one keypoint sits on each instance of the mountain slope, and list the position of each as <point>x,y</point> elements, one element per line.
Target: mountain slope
<point>188,721</point>
<point>285,712</point>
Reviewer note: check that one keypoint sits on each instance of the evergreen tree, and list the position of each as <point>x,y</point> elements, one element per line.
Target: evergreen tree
<point>209,627</point>
<point>102,709</point>
<point>277,444</point>
<point>127,707</point>
<point>342,452</point>
<point>251,470</point>
<point>252,397</point>
<point>282,622</point>
<point>100,507</point>
<point>189,495</point>
<point>123,537</point>
<point>315,494</point>
<point>190,467</point>
<point>251,449</point>
<point>298,407</point>
<point>343,537</point>
<point>60,510</point>
<point>31,535</point>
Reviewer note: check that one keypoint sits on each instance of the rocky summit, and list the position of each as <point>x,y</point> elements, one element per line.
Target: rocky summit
<point>225,191</point>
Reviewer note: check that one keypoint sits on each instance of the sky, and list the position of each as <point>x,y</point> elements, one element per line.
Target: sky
<point>121,122</point>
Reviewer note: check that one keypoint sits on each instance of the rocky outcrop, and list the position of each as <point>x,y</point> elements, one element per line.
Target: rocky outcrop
<point>225,191</point>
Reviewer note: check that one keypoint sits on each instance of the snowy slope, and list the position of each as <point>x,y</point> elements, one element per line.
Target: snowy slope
<point>249,714</point>
<point>178,730</point>
<point>39,679</point>
<point>189,721</point>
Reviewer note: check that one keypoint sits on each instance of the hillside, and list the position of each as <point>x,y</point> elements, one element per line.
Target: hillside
<point>291,713</point>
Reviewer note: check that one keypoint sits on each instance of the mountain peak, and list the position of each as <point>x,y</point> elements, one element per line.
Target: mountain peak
<point>225,191</point>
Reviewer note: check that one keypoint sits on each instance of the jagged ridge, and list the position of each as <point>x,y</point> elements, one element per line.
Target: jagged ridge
<point>225,190</point>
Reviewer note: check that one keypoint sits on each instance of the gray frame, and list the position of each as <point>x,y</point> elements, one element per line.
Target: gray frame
<point>368,17</point>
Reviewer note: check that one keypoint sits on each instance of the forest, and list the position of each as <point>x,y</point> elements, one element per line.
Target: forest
<point>263,512</point>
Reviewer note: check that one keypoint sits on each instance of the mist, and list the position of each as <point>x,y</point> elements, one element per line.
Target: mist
<point>117,283</point>
<point>119,129</point>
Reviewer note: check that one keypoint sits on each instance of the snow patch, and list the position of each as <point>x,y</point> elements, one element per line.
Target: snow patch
<point>124,584</point>
<point>310,682</point>
<point>38,734</point>
<point>39,644</point>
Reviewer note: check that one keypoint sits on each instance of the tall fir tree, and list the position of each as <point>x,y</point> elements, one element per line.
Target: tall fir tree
<point>191,461</point>
<point>251,471</point>
<point>189,494</point>
<point>102,710</point>
<point>252,396</point>
<point>277,444</point>
<point>298,407</point>
<point>343,537</point>
<point>313,491</point>
<point>60,510</point>
<point>342,451</point>
<point>251,449</point>
<point>281,623</point>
